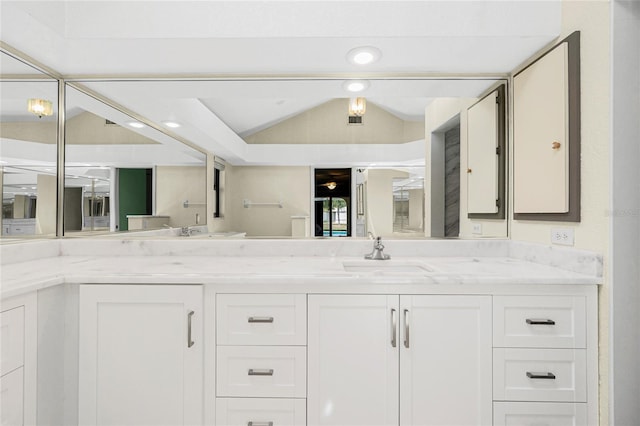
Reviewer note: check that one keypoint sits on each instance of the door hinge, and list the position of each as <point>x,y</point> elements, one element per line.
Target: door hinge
<point>498,203</point>
<point>497,150</point>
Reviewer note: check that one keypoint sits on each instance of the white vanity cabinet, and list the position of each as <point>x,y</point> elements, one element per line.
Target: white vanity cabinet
<point>261,359</point>
<point>412,359</point>
<point>141,355</point>
<point>18,359</point>
<point>542,347</point>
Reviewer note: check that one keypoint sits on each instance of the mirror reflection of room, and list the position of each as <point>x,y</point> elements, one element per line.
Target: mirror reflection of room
<point>28,136</point>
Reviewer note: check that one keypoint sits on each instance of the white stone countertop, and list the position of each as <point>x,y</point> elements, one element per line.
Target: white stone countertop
<point>22,277</point>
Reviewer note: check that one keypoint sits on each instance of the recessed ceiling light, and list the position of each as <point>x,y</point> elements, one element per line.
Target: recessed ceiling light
<point>364,55</point>
<point>136,124</point>
<point>356,85</point>
<point>171,124</point>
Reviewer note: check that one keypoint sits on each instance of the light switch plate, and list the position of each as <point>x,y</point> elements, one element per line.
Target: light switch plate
<point>477,229</point>
<point>562,236</point>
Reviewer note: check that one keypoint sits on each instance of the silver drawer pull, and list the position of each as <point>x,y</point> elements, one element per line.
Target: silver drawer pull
<point>548,376</point>
<point>260,372</point>
<point>190,342</point>
<point>259,423</point>
<point>531,321</point>
<point>260,319</point>
<point>394,326</point>
<point>406,328</point>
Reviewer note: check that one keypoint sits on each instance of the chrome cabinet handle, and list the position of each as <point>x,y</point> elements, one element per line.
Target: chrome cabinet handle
<point>259,423</point>
<point>549,376</point>
<point>189,341</point>
<point>260,372</point>
<point>393,328</point>
<point>532,321</point>
<point>260,319</point>
<point>406,328</point>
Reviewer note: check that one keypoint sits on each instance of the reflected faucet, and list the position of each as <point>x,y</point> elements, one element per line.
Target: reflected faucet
<point>377,253</point>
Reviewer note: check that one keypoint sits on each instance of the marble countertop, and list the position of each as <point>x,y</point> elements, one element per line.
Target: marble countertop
<point>21,277</point>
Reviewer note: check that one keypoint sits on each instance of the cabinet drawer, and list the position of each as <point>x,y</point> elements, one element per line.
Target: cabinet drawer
<point>260,412</point>
<point>539,321</point>
<point>12,398</point>
<point>262,371</point>
<point>557,375</point>
<point>539,414</point>
<point>261,319</point>
<point>12,335</point>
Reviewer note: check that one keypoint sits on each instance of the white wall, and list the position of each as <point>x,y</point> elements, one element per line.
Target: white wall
<point>416,208</point>
<point>624,266</point>
<point>379,200</point>
<point>591,18</point>
<point>175,185</point>
<point>267,184</point>
<point>46,205</point>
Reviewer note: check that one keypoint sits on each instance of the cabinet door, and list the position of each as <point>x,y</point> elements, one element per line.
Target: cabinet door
<point>445,360</point>
<point>140,355</point>
<point>541,143</point>
<point>353,364</point>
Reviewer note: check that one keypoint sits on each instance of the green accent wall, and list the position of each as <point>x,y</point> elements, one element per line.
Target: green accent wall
<point>134,189</point>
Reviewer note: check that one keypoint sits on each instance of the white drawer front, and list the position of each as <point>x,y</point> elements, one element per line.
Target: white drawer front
<point>261,319</point>
<point>512,368</point>
<point>12,399</point>
<point>539,414</point>
<point>262,371</point>
<point>539,321</point>
<point>260,412</point>
<point>12,335</point>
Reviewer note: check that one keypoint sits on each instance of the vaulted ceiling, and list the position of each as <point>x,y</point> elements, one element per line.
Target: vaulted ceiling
<point>226,69</point>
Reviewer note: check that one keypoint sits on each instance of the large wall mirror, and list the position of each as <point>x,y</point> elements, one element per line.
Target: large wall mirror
<point>28,154</point>
<point>123,175</point>
<point>271,135</point>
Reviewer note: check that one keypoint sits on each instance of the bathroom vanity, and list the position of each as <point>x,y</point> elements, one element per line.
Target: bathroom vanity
<point>445,332</point>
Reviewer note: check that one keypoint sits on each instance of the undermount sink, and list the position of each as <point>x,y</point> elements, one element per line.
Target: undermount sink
<point>386,267</point>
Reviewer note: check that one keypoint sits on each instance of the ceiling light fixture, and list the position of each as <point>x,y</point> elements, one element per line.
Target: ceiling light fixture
<point>364,55</point>
<point>40,107</point>
<point>355,86</point>
<point>136,124</point>
<point>331,185</point>
<point>357,106</point>
<point>171,124</point>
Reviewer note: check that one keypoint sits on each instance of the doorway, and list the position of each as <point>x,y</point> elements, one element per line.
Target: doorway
<point>134,194</point>
<point>332,202</point>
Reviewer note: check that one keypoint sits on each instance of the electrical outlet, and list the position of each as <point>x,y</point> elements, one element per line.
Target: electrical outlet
<point>562,236</point>
<point>477,229</point>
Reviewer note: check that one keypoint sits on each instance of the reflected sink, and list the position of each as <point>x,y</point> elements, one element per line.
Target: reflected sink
<point>382,267</point>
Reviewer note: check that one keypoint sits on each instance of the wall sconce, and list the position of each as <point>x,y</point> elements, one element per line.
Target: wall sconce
<point>40,107</point>
<point>357,106</point>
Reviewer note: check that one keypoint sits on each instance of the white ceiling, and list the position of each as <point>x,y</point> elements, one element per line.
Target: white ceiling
<point>303,39</point>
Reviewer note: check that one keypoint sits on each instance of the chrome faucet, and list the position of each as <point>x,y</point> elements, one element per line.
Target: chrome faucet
<point>377,253</point>
<point>186,231</point>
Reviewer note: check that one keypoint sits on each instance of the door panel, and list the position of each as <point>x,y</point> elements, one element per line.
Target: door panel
<point>353,367</point>
<point>445,374</point>
<point>136,364</point>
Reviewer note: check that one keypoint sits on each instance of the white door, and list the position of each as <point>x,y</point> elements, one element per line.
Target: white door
<point>141,355</point>
<point>445,360</point>
<point>353,360</point>
<point>482,158</point>
<point>540,135</point>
